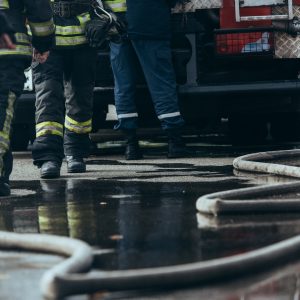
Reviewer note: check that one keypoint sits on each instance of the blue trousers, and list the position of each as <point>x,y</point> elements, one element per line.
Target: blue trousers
<point>156,62</point>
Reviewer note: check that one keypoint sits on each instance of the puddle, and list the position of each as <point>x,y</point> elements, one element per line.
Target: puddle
<point>147,224</point>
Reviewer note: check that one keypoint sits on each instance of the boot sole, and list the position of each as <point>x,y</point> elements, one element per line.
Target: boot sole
<point>50,175</point>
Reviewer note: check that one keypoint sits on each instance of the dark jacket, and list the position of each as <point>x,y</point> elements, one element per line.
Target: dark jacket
<point>148,19</point>
<point>70,30</point>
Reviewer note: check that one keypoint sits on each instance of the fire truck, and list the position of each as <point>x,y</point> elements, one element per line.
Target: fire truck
<point>235,60</point>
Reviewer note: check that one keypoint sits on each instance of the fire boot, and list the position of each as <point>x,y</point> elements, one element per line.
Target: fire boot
<point>50,169</point>
<point>4,179</point>
<point>4,188</point>
<point>177,147</point>
<point>75,164</point>
<point>133,150</point>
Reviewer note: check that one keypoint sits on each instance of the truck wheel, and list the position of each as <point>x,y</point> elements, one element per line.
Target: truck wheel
<point>247,129</point>
<point>20,137</point>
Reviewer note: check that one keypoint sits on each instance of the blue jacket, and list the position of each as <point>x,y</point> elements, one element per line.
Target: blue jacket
<point>148,19</point>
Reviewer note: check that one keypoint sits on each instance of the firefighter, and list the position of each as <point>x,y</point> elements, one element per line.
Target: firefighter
<point>148,38</point>
<point>7,38</point>
<point>64,93</point>
<point>13,62</point>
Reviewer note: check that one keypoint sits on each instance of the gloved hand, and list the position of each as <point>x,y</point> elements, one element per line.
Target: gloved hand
<point>96,31</point>
<point>100,29</point>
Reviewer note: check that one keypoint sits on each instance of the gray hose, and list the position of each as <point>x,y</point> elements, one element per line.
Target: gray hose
<point>181,275</point>
<point>238,200</point>
<point>252,162</point>
<point>235,201</point>
<point>80,260</point>
<point>64,279</point>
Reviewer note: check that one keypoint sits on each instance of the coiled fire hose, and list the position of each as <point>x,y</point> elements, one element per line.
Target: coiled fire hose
<point>67,278</point>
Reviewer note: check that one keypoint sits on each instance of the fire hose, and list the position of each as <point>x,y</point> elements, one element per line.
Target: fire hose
<point>73,276</point>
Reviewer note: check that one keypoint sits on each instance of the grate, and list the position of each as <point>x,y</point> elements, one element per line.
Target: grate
<point>239,42</point>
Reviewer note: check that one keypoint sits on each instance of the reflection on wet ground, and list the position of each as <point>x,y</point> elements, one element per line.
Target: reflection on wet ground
<point>147,224</point>
<point>154,223</point>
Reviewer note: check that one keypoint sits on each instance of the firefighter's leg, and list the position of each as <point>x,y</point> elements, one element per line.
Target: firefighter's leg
<point>11,85</point>
<point>156,60</point>
<point>79,85</point>
<point>123,61</point>
<point>47,150</point>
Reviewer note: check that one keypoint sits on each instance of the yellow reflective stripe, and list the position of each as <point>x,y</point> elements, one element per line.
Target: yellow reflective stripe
<point>78,127</point>
<point>117,6</point>
<point>74,29</point>
<point>4,4</point>
<point>49,127</point>
<point>4,135</point>
<point>42,29</point>
<point>69,30</point>
<point>49,131</point>
<point>70,41</point>
<point>20,50</point>
<point>49,123</point>
<point>83,18</point>
<point>86,123</point>
<point>79,130</point>
<point>22,38</point>
<point>9,114</point>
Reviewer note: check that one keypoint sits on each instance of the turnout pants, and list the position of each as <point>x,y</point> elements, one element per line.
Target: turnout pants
<point>64,104</point>
<point>11,86</point>
<point>155,59</point>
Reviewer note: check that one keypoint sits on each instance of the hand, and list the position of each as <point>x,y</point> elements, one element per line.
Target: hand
<point>6,42</point>
<point>40,57</point>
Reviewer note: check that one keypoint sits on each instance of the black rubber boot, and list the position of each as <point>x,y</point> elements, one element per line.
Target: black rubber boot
<point>177,147</point>
<point>50,169</point>
<point>4,180</point>
<point>75,164</point>
<point>4,188</point>
<point>133,151</point>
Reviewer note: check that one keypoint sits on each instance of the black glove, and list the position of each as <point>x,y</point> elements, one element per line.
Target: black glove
<point>96,31</point>
<point>99,30</point>
<point>5,27</point>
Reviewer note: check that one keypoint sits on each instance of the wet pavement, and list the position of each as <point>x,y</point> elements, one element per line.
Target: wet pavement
<point>144,211</point>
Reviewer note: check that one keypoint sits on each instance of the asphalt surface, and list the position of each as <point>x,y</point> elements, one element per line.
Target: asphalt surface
<point>145,212</point>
